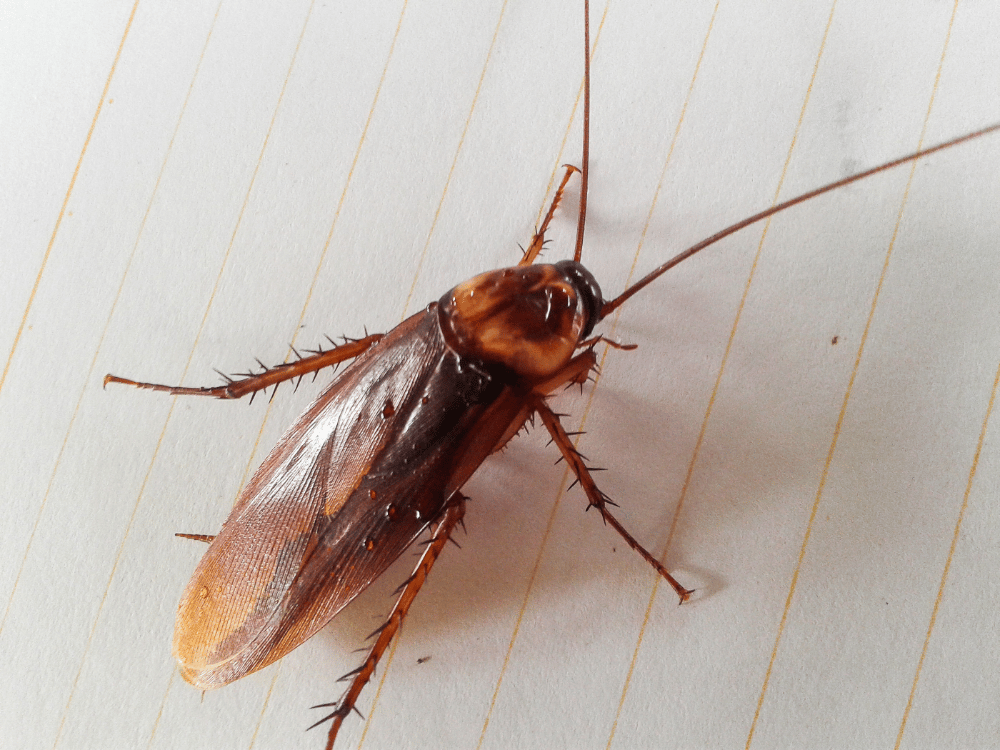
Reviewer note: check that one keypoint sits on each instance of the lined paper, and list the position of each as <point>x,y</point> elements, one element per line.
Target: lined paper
<point>804,433</point>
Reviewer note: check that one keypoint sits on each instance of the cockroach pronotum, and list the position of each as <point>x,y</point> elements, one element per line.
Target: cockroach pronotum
<point>381,456</point>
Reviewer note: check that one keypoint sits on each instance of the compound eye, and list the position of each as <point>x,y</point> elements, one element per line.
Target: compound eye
<point>587,289</point>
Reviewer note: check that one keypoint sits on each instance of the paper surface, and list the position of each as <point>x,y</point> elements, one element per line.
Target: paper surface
<point>192,185</point>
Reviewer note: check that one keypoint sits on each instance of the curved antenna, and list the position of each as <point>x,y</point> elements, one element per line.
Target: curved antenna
<point>584,171</point>
<point>660,270</point>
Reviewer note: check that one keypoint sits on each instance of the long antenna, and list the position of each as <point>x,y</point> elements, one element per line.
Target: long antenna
<point>660,270</point>
<point>585,170</point>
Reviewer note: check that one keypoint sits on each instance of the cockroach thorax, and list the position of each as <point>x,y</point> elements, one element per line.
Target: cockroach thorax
<point>528,318</point>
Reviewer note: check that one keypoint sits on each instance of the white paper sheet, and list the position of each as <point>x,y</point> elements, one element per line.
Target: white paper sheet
<point>189,185</point>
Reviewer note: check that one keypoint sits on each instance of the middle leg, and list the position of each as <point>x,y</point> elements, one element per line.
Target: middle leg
<point>597,498</point>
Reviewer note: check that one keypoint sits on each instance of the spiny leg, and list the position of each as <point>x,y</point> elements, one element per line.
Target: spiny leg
<point>539,239</point>
<point>576,371</point>
<point>207,538</point>
<point>597,498</point>
<point>453,513</point>
<point>271,376</point>
<point>595,340</point>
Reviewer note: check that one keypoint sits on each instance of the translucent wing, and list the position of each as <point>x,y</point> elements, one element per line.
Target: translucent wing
<point>350,485</point>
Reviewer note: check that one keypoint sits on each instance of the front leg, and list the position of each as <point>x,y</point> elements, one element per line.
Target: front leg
<point>453,513</point>
<point>538,240</point>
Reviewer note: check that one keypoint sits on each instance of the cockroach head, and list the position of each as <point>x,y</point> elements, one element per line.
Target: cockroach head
<point>528,318</point>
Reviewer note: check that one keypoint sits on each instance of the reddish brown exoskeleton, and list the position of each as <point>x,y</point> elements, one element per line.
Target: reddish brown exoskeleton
<point>383,453</point>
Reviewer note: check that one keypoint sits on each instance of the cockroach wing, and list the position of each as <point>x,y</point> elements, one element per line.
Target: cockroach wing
<point>347,488</point>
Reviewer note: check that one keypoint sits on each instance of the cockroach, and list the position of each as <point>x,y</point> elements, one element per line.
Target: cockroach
<point>382,454</point>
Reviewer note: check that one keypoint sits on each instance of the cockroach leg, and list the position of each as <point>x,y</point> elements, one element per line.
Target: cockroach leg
<point>271,376</point>
<point>539,239</point>
<point>450,517</point>
<point>597,498</point>
<point>576,371</point>
<point>207,538</point>
<point>610,342</point>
